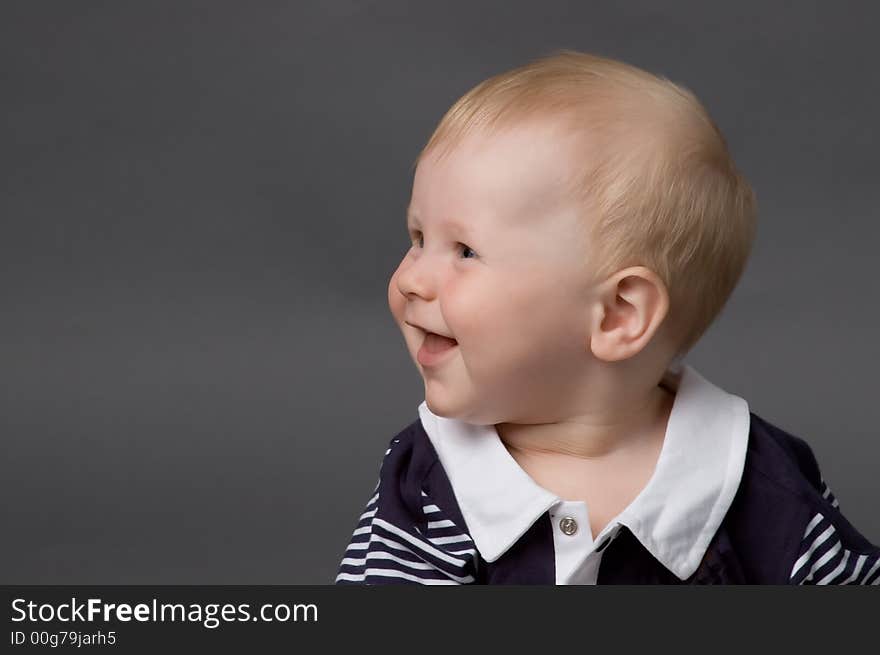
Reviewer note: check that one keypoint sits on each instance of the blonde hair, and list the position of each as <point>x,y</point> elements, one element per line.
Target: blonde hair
<point>656,180</point>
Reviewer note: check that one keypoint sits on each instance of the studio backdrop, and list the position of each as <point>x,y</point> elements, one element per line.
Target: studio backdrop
<point>202,204</point>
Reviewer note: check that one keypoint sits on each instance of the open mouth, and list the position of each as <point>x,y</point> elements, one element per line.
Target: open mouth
<point>437,343</point>
<point>435,348</point>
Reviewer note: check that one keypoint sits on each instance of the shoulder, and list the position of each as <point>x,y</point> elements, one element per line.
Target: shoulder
<point>785,520</point>
<point>411,530</point>
<point>411,472</point>
<point>408,457</point>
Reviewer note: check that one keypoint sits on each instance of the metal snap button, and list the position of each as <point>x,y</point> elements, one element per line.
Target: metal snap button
<point>568,525</point>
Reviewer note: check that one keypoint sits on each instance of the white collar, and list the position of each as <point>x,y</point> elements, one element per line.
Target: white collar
<point>674,516</point>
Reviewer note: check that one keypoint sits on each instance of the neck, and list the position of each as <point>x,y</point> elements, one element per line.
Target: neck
<point>595,435</point>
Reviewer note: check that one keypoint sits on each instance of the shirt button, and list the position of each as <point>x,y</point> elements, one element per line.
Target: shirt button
<point>568,525</point>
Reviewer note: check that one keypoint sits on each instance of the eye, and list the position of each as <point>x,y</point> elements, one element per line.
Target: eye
<point>419,237</point>
<point>467,249</point>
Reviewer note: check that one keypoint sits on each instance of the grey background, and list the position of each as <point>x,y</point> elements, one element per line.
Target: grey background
<point>202,204</point>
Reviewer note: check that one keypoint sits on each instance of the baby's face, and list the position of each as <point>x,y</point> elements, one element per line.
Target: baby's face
<point>496,264</point>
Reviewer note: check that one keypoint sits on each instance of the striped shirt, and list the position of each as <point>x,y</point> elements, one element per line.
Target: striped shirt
<point>733,500</point>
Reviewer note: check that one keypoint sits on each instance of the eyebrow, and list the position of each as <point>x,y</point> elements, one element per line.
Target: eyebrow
<point>412,220</point>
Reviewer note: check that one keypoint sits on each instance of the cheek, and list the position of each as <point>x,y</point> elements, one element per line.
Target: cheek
<point>473,308</point>
<point>527,315</point>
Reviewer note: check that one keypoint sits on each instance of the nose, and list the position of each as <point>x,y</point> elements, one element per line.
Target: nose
<point>417,277</point>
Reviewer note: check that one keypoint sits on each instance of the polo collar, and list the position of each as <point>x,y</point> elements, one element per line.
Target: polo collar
<point>674,516</point>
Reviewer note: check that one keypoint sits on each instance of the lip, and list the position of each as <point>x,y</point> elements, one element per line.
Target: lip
<point>424,331</point>
<point>429,359</point>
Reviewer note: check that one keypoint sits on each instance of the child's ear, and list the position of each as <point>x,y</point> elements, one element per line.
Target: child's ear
<point>628,310</point>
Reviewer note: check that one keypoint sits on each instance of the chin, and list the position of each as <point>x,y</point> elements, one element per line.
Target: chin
<point>448,408</point>
<point>439,405</point>
<point>437,409</point>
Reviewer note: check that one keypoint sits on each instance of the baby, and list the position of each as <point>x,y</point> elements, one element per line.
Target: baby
<point>577,224</point>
